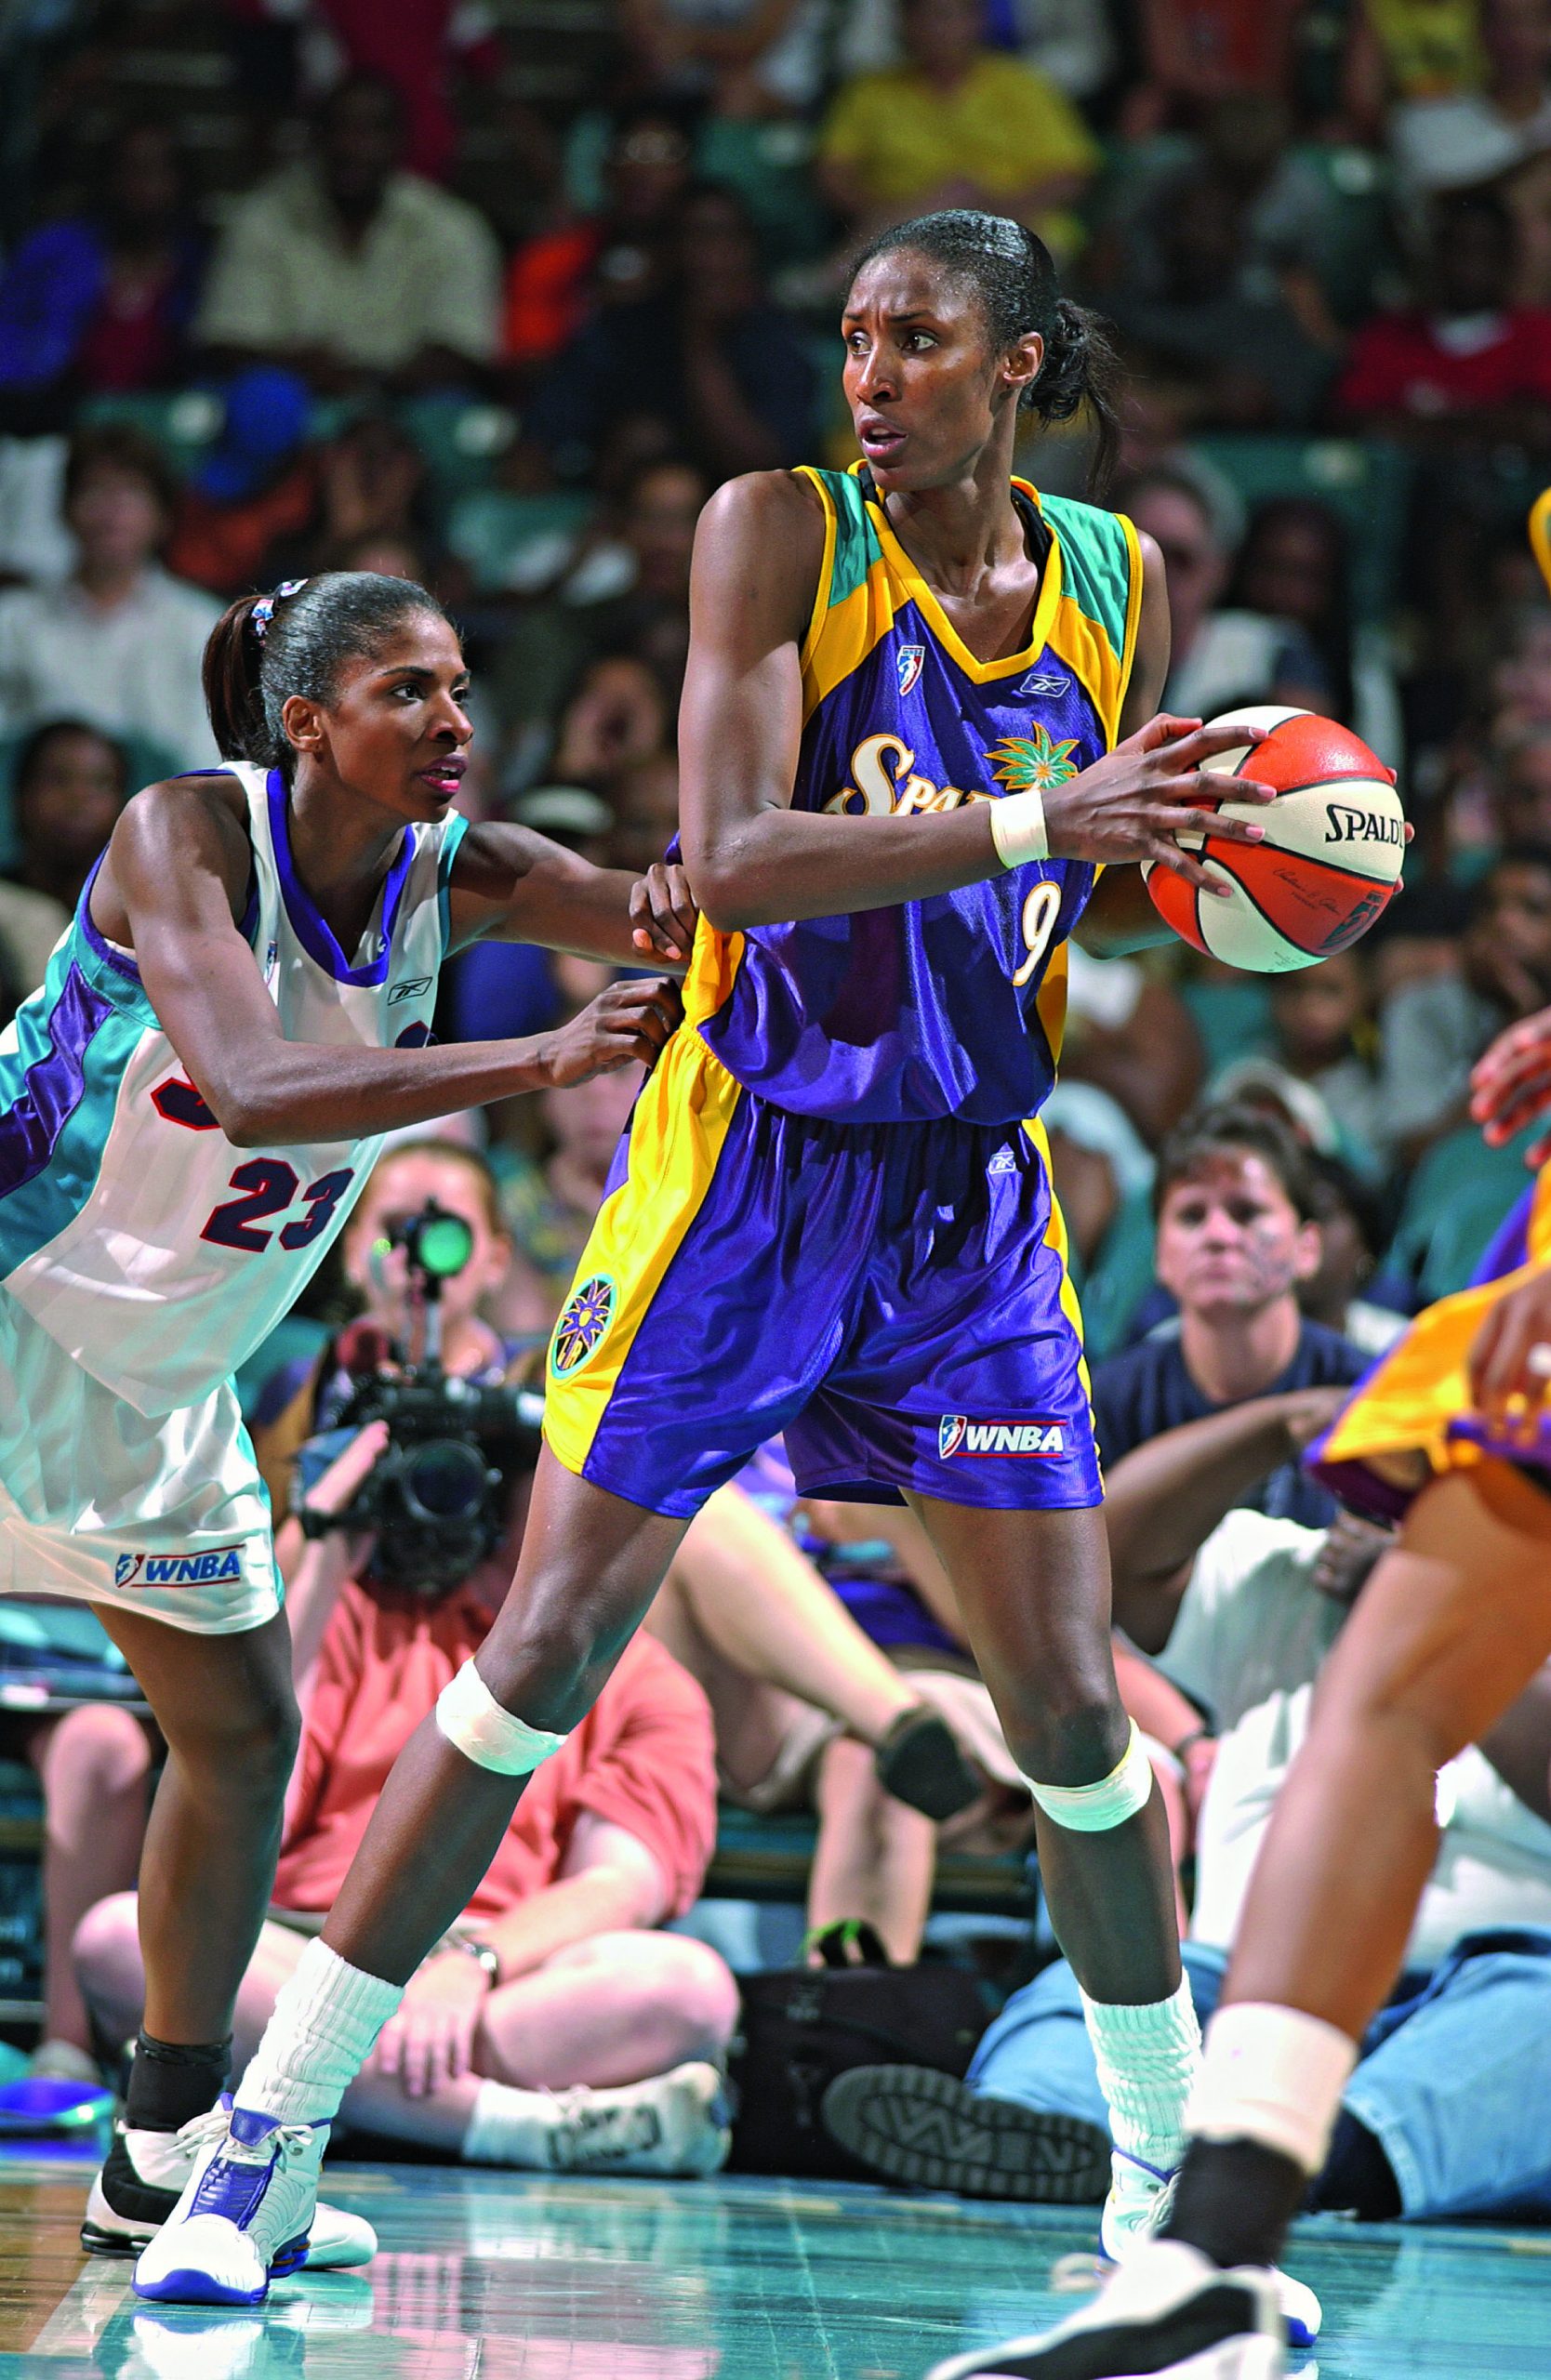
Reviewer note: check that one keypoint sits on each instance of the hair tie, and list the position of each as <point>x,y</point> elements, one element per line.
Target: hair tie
<point>263,611</point>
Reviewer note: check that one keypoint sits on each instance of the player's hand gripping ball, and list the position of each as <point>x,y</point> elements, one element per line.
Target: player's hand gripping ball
<point>1336,837</point>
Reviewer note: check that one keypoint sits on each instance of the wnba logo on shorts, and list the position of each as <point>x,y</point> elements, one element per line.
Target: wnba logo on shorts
<point>221,1562</point>
<point>958,1435</point>
<point>584,1319</point>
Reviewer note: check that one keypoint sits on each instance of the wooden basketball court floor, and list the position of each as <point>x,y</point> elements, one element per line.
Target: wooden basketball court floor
<point>487,2276</point>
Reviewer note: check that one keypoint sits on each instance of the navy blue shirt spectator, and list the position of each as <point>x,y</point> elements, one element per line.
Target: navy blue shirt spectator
<point>1148,1388</point>
<point>1238,1233</point>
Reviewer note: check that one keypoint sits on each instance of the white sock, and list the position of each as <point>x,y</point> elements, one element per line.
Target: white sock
<point>509,2126</point>
<point>327,2018</point>
<point>1272,2075</point>
<point>1148,2057</point>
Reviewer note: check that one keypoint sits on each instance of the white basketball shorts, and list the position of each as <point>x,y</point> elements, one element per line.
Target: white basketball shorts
<point>168,1518</point>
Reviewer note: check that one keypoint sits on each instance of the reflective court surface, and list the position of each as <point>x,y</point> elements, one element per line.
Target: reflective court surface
<point>495,2277</point>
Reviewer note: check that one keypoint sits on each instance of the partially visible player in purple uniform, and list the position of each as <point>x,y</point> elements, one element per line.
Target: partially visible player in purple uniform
<point>918,721</point>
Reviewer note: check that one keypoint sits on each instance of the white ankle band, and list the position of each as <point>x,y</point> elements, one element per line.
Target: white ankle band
<point>1273,2075</point>
<point>1094,1809</point>
<point>1018,827</point>
<point>472,1719</point>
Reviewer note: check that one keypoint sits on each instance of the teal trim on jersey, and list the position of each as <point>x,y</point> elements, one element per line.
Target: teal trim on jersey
<point>856,542</point>
<point>1096,562</point>
<point>452,835</point>
<point>82,1074</point>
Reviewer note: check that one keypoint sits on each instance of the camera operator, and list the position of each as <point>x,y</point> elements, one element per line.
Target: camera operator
<point>554,2028</point>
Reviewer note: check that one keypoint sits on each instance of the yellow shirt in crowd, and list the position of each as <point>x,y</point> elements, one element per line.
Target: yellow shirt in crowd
<point>1005,127</point>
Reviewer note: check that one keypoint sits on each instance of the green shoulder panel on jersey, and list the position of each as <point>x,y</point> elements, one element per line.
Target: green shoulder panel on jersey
<point>1101,582</point>
<point>852,602</point>
<point>60,1066</point>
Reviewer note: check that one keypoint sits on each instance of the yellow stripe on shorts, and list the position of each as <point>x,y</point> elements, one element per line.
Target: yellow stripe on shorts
<point>677,1135</point>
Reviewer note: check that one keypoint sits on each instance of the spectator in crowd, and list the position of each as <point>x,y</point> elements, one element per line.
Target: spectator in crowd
<point>1467,364</point>
<point>1216,276</point>
<point>1326,1036</point>
<point>1521,786</point>
<point>610,257</point>
<point>958,125</point>
<point>706,354</point>
<point>1489,129</point>
<point>548,1200</point>
<point>1293,566</point>
<point>256,489</point>
<point>119,642</point>
<point>1236,1238</point>
<point>68,785</point>
<point>1432,1031</point>
<point>625,590</point>
<point>1402,54</point>
<point>1196,52</point>
<point>1219,656</point>
<point>1352,1237</point>
<point>345,267</point>
<point>102,301</point>
<point>1130,1038</point>
<point>419,47</point>
<point>1444,2118</point>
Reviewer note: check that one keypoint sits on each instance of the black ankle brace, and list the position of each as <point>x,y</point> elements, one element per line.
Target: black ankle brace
<point>171,2082</point>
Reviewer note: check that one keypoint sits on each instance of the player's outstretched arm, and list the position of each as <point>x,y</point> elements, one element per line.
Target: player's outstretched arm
<point>171,887</point>
<point>753,860</point>
<point>509,884</point>
<point>1510,1086</point>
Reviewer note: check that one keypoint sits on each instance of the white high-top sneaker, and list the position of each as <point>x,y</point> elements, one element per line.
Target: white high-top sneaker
<point>242,2218</point>
<point>1139,2205</point>
<point>144,2174</point>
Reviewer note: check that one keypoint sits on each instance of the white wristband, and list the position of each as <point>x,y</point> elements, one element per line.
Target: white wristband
<point>1018,827</point>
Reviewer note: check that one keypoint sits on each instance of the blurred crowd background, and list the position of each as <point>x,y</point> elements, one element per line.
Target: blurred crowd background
<point>495,294</point>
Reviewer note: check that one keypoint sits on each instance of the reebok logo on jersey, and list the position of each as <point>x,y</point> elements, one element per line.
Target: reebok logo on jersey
<point>1046,683</point>
<point>408,990</point>
<point>220,1563</point>
<point>957,1434</point>
<point>909,661</point>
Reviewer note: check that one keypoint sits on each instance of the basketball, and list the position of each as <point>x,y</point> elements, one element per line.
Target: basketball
<point>1335,839</point>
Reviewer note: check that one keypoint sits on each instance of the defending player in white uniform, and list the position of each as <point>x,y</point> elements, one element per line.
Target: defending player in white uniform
<point>189,1106</point>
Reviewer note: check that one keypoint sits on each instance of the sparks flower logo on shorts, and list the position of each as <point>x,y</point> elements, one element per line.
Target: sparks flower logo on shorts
<point>908,661</point>
<point>1033,763</point>
<point>584,1319</point>
<point>957,1434</point>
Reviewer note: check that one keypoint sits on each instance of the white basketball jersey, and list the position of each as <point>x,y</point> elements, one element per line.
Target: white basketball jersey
<point>156,1253</point>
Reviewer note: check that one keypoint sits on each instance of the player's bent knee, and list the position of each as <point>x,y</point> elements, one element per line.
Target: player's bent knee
<point>485,1732</point>
<point>1108,1803</point>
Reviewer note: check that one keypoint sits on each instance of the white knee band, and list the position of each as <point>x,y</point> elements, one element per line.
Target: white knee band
<point>1272,2075</point>
<point>470,1716</point>
<point>1094,1809</point>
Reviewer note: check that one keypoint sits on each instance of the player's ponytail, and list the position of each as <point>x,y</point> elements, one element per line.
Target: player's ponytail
<point>265,648</point>
<point>1013,276</point>
<point>232,658</point>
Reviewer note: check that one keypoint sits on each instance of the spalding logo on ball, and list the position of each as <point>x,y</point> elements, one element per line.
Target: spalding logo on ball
<point>1336,837</point>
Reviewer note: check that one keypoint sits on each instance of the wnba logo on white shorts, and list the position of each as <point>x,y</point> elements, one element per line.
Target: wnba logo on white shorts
<point>958,1435</point>
<point>223,1562</point>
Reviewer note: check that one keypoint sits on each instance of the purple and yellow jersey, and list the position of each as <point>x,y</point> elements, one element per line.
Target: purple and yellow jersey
<point>1413,1415</point>
<point>953,1005</point>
